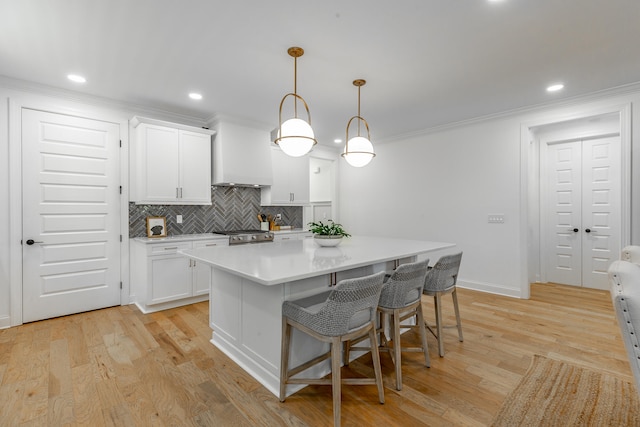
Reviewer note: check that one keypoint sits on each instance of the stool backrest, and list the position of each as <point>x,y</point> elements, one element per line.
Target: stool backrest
<point>444,273</point>
<point>350,305</point>
<point>404,287</point>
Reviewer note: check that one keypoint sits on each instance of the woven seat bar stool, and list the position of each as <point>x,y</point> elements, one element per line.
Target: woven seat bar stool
<point>441,279</point>
<point>348,312</point>
<point>401,299</point>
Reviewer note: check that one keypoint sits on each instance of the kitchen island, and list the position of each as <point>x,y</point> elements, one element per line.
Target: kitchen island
<point>250,282</point>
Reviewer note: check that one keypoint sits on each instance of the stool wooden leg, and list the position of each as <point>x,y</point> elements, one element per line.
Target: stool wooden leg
<point>454,295</point>
<point>437,303</point>
<point>397,347</point>
<point>377,367</point>
<point>336,383</point>
<point>284,358</point>
<point>423,335</point>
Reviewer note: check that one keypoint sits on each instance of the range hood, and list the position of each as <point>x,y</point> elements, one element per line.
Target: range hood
<point>241,155</point>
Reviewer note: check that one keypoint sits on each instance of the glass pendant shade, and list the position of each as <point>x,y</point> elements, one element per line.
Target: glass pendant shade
<point>296,137</point>
<point>360,151</point>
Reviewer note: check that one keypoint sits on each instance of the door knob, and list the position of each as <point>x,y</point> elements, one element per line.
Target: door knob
<point>575,230</point>
<point>587,230</point>
<point>31,242</point>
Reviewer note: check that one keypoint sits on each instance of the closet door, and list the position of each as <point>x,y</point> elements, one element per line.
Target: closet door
<point>583,211</point>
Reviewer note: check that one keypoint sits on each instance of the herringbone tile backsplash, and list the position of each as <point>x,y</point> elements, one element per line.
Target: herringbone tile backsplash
<point>233,208</point>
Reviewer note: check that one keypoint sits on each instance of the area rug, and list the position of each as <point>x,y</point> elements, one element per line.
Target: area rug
<point>554,393</point>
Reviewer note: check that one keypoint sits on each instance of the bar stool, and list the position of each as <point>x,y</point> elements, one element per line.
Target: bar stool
<point>401,299</point>
<point>441,280</point>
<point>348,312</point>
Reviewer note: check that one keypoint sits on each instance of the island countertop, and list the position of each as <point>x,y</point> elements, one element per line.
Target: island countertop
<point>279,262</point>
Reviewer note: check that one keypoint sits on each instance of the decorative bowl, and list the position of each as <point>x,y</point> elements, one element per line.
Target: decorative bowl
<point>326,240</point>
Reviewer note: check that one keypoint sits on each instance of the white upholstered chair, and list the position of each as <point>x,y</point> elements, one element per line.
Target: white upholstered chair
<point>624,279</point>
<point>347,312</point>
<point>631,254</point>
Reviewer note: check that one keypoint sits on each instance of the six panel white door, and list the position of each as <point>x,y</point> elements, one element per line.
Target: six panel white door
<point>71,214</point>
<point>583,211</point>
<point>601,219</point>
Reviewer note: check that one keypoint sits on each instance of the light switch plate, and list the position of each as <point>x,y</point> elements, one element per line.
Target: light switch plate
<point>179,219</point>
<point>496,218</point>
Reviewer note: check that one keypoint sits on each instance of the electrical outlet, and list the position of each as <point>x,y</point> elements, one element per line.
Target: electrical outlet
<point>179,219</point>
<point>278,216</point>
<point>496,218</point>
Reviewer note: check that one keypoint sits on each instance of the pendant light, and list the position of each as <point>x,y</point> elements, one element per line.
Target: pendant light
<point>358,151</point>
<point>295,136</point>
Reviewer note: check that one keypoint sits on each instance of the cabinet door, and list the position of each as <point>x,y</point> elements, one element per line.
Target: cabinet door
<point>202,271</point>
<point>280,191</point>
<point>171,278</point>
<point>195,168</point>
<point>159,172</point>
<point>299,179</point>
<point>290,180</point>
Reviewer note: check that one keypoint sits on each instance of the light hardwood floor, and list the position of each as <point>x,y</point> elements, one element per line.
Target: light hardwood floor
<point>120,367</point>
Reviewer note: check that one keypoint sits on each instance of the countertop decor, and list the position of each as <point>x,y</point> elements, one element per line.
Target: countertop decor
<point>329,234</point>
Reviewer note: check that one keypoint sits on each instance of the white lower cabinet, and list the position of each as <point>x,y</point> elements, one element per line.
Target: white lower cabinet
<point>161,278</point>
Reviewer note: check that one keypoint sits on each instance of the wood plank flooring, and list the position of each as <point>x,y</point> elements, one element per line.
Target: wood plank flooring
<point>119,367</point>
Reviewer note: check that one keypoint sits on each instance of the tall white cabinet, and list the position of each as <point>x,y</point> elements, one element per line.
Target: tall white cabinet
<point>171,163</point>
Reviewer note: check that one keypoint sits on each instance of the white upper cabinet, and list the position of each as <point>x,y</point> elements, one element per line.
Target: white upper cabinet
<point>171,163</point>
<point>290,181</point>
<point>240,155</point>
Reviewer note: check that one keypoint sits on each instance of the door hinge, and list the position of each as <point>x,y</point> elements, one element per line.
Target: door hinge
<point>120,285</point>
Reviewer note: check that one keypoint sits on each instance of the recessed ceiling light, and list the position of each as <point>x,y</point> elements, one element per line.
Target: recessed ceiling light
<point>337,140</point>
<point>195,96</point>
<point>555,87</point>
<point>76,78</point>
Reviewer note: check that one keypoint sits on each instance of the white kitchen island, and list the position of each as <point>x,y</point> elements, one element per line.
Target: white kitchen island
<point>250,282</point>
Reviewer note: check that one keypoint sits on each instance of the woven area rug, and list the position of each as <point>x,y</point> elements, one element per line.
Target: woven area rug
<point>554,393</point>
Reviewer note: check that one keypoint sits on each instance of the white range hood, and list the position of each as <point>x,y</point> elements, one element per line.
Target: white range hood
<point>241,154</point>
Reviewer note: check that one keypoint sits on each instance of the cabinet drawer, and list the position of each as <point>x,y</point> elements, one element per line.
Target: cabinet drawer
<point>211,243</point>
<point>167,248</point>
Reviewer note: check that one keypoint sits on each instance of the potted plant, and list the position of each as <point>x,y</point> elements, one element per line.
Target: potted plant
<point>329,234</point>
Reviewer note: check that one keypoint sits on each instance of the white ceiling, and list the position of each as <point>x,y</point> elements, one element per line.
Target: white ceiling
<point>426,62</point>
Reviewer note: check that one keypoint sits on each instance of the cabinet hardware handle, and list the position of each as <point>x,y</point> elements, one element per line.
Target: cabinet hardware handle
<point>190,264</point>
<point>177,197</point>
<point>171,248</point>
<point>181,192</point>
<point>211,244</point>
<point>575,230</point>
<point>588,230</point>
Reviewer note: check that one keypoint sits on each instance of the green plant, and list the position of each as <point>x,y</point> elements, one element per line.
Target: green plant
<point>330,229</point>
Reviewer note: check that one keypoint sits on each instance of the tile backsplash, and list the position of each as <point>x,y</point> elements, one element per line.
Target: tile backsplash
<point>233,208</point>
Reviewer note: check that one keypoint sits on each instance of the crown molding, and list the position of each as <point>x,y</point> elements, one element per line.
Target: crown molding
<point>531,109</point>
<point>99,101</point>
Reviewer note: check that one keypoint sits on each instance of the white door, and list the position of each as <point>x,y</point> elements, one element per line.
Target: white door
<point>583,215</point>
<point>71,214</point>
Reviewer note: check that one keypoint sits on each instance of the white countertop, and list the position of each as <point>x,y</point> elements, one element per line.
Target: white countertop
<point>181,238</point>
<point>273,263</point>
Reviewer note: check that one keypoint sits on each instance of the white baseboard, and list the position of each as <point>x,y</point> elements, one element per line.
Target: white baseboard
<point>5,322</point>
<point>491,288</point>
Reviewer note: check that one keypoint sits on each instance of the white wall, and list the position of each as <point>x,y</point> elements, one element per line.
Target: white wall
<point>442,185</point>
